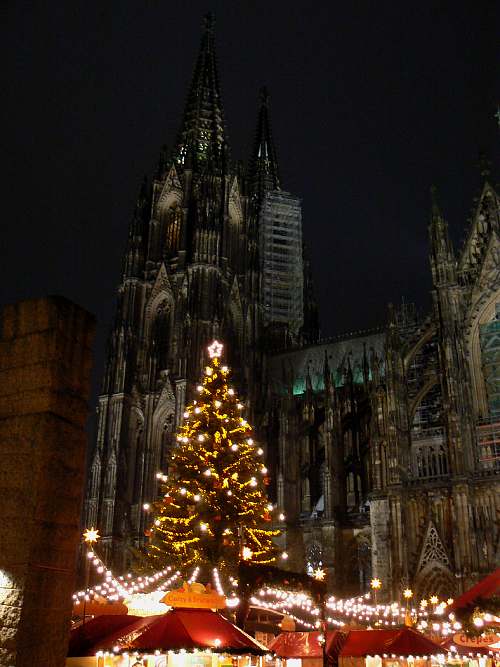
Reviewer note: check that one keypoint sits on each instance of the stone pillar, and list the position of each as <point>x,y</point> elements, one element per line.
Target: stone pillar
<point>45,363</point>
<point>381,545</point>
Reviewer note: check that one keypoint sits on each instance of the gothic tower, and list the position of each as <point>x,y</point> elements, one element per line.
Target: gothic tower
<point>182,284</point>
<point>191,272</point>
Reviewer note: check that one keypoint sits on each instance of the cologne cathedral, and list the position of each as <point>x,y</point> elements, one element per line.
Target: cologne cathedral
<point>383,446</point>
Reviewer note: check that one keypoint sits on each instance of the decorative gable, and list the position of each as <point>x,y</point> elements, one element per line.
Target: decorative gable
<point>162,288</point>
<point>433,550</point>
<point>485,225</point>
<point>235,200</point>
<point>171,191</point>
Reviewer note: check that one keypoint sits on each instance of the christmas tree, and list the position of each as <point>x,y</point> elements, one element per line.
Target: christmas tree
<point>214,510</point>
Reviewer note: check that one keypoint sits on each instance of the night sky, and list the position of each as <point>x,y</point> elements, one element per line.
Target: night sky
<point>371,103</point>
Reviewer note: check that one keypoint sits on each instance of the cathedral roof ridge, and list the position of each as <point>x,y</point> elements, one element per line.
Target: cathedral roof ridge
<point>351,335</point>
<point>348,335</point>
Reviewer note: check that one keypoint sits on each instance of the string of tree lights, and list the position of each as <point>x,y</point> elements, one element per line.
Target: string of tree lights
<point>214,509</point>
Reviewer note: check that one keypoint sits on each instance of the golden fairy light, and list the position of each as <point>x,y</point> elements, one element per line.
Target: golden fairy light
<point>247,553</point>
<point>91,535</point>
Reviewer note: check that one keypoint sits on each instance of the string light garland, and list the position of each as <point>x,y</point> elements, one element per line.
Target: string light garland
<point>114,588</point>
<point>298,605</point>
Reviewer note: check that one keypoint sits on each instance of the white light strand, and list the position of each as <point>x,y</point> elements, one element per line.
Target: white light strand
<point>216,579</point>
<point>113,588</point>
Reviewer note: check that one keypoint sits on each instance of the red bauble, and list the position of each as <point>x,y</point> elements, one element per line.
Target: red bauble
<point>167,500</point>
<point>267,481</point>
<point>148,532</point>
<point>266,516</point>
<point>218,517</point>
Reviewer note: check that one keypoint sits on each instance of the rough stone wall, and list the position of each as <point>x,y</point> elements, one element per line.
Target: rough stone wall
<point>45,363</point>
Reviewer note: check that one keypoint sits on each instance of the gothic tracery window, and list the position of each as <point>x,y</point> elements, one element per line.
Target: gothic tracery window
<point>161,335</point>
<point>174,217</point>
<point>95,477</point>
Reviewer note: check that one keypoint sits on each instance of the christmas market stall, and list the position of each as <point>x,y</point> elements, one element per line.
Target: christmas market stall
<point>462,649</point>
<point>183,637</point>
<point>475,614</point>
<point>398,647</point>
<point>302,649</point>
<point>478,609</point>
<point>402,647</point>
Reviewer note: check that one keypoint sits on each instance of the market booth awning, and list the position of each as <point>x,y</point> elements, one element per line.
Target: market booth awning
<point>486,588</point>
<point>195,629</point>
<point>178,629</point>
<point>86,639</point>
<point>354,643</point>
<point>297,645</point>
<point>401,642</point>
<point>302,644</point>
<point>97,607</point>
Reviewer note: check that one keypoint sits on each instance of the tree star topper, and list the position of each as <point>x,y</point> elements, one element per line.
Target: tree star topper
<point>215,350</point>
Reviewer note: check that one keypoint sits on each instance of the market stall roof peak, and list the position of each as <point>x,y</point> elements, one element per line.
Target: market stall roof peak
<point>178,629</point>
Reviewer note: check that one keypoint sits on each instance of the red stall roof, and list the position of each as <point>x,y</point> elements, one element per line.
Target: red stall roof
<point>354,643</point>
<point>486,588</point>
<point>400,641</point>
<point>195,628</point>
<point>84,639</point>
<point>177,629</point>
<point>297,645</point>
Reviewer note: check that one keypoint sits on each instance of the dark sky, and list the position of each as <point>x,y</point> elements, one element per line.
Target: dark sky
<point>372,102</point>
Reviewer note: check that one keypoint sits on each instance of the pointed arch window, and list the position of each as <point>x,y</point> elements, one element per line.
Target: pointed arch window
<point>95,477</point>
<point>351,491</point>
<point>489,338</point>
<point>161,336</point>
<point>110,479</point>
<point>174,220</point>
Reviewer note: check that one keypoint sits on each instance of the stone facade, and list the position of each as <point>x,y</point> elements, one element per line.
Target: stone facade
<point>393,438</point>
<point>382,445</point>
<point>45,363</point>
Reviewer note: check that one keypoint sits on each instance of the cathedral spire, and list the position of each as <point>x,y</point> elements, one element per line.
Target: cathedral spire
<point>442,255</point>
<point>263,172</point>
<point>202,138</point>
